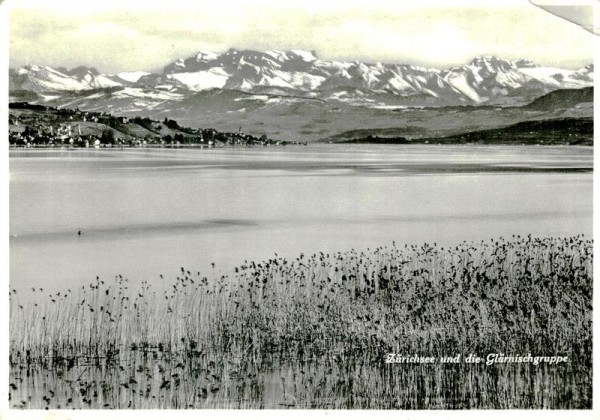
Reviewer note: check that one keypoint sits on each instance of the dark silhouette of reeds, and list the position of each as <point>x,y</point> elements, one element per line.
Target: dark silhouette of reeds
<point>314,332</point>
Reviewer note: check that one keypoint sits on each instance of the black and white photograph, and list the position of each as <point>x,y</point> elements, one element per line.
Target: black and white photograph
<point>311,206</point>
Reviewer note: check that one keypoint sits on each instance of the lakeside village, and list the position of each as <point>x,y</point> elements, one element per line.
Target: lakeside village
<point>38,126</point>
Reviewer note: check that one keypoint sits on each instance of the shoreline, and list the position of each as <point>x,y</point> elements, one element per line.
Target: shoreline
<point>318,157</point>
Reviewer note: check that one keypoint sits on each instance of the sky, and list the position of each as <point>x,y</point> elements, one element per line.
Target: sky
<point>128,35</point>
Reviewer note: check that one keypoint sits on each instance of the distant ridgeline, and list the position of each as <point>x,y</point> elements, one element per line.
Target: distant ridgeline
<point>568,131</point>
<point>571,131</point>
<point>33,125</point>
<point>554,118</point>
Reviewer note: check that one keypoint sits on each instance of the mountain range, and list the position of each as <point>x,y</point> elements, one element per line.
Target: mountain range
<point>295,87</point>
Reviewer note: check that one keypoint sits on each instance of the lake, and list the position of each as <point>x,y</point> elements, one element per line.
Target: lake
<point>143,213</point>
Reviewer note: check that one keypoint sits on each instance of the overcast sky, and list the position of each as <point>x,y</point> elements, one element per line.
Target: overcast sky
<point>124,35</point>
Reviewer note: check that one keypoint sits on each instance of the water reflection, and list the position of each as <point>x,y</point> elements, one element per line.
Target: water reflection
<point>148,212</point>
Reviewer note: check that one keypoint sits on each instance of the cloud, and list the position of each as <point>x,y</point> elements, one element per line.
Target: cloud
<point>97,29</point>
<point>129,35</point>
<point>445,43</point>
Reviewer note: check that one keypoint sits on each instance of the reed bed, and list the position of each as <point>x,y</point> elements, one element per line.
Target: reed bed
<point>315,332</point>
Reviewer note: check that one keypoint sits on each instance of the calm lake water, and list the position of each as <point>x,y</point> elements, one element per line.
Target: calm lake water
<point>146,212</point>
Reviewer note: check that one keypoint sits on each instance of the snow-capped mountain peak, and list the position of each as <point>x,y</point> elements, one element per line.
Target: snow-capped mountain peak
<point>47,79</point>
<point>492,64</point>
<point>206,56</point>
<point>308,56</point>
<point>484,80</point>
<point>524,63</point>
<point>132,76</point>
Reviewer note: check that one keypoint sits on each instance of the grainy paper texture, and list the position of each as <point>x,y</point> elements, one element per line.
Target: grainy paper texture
<point>301,206</point>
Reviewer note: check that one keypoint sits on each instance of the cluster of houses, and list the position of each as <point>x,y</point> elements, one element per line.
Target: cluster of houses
<point>240,139</point>
<point>66,135</point>
<point>71,128</point>
<point>38,130</point>
<point>70,135</point>
<point>40,137</point>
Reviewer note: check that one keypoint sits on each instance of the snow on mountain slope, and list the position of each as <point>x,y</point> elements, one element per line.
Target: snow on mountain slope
<point>307,56</point>
<point>156,95</point>
<point>202,80</point>
<point>555,77</point>
<point>44,78</point>
<point>485,80</point>
<point>132,76</point>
